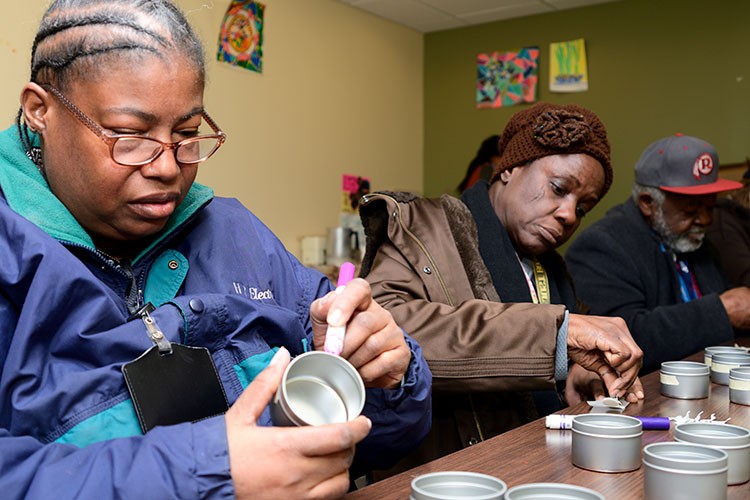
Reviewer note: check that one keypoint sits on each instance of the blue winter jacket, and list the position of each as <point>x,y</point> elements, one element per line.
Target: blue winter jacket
<point>219,278</point>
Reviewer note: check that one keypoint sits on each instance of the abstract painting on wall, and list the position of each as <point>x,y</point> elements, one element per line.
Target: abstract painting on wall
<point>507,78</point>
<point>241,35</point>
<point>567,66</point>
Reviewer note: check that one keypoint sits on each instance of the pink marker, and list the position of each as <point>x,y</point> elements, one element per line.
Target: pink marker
<point>335,334</point>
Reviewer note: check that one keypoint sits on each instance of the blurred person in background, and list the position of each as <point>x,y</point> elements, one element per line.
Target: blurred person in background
<point>482,165</point>
<point>729,233</point>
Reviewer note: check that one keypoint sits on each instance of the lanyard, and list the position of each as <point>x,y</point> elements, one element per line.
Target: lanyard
<point>542,284</point>
<point>539,289</point>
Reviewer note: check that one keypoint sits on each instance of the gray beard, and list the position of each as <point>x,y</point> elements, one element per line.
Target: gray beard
<point>679,243</point>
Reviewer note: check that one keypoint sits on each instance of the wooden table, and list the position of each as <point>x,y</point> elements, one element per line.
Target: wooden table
<point>533,454</point>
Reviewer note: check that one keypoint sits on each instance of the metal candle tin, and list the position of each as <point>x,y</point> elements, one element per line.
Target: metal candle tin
<point>684,379</point>
<point>709,351</point>
<point>457,485</point>
<point>722,362</point>
<point>605,442</point>
<point>733,439</point>
<point>540,491</point>
<point>318,388</point>
<point>684,470</point>
<point>739,385</point>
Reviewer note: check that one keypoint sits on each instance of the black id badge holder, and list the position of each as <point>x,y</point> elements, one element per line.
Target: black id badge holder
<point>172,383</point>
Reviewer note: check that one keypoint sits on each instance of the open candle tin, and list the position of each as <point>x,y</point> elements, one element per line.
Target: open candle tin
<point>684,379</point>
<point>457,485</point>
<point>733,439</point>
<point>739,385</point>
<point>684,470</point>
<point>318,388</point>
<point>605,442</point>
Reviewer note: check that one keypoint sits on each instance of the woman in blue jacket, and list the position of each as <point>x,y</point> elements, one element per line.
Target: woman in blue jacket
<point>110,250</point>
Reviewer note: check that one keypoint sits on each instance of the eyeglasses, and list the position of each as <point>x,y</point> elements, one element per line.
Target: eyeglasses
<point>135,150</point>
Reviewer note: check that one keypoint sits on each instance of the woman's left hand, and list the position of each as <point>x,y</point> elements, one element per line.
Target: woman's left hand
<point>374,344</point>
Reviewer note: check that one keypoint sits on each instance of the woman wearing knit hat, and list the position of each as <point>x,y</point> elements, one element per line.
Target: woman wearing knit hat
<point>478,282</point>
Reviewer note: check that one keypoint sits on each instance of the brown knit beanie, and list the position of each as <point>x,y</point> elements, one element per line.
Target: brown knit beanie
<point>547,129</point>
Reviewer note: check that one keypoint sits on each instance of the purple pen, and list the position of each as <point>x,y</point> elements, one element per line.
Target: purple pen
<point>647,423</point>
<point>335,334</point>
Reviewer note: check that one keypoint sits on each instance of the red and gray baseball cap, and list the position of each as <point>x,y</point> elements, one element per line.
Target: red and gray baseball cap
<point>682,164</point>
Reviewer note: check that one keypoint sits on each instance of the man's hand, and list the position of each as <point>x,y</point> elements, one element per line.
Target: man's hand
<point>583,385</point>
<point>736,302</point>
<point>604,345</point>
<point>287,462</point>
<point>373,343</point>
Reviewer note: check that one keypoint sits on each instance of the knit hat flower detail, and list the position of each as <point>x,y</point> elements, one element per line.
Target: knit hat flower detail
<point>559,128</point>
<point>547,129</point>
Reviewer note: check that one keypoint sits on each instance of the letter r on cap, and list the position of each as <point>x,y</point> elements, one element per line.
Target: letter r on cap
<point>703,165</point>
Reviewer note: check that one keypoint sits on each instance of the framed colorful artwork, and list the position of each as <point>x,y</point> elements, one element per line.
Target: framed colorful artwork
<point>567,66</point>
<point>241,35</point>
<point>507,78</point>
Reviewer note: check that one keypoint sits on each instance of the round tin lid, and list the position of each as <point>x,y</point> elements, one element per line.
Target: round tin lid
<point>723,348</point>
<point>741,373</point>
<point>685,368</point>
<point>607,424</point>
<point>721,435</point>
<point>545,491</point>
<point>457,485</point>
<point>685,457</point>
<point>731,358</point>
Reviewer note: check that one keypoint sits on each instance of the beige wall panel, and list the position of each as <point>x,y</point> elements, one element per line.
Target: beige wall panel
<point>341,92</point>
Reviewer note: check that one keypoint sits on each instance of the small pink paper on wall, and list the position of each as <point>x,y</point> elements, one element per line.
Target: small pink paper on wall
<point>507,78</point>
<point>353,187</point>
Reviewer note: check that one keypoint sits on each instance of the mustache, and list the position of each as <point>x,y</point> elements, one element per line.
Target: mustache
<point>698,231</point>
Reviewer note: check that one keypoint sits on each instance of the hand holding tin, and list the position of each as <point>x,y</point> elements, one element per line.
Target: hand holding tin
<point>267,462</point>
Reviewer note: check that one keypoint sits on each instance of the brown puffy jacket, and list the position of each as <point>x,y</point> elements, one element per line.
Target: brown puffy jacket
<point>423,263</point>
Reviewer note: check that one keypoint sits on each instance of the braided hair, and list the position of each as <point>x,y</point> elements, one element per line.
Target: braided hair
<point>77,39</point>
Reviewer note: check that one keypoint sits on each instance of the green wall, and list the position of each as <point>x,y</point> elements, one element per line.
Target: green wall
<point>656,67</point>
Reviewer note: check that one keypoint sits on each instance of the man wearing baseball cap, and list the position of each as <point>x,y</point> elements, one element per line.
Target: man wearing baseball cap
<point>646,260</point>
